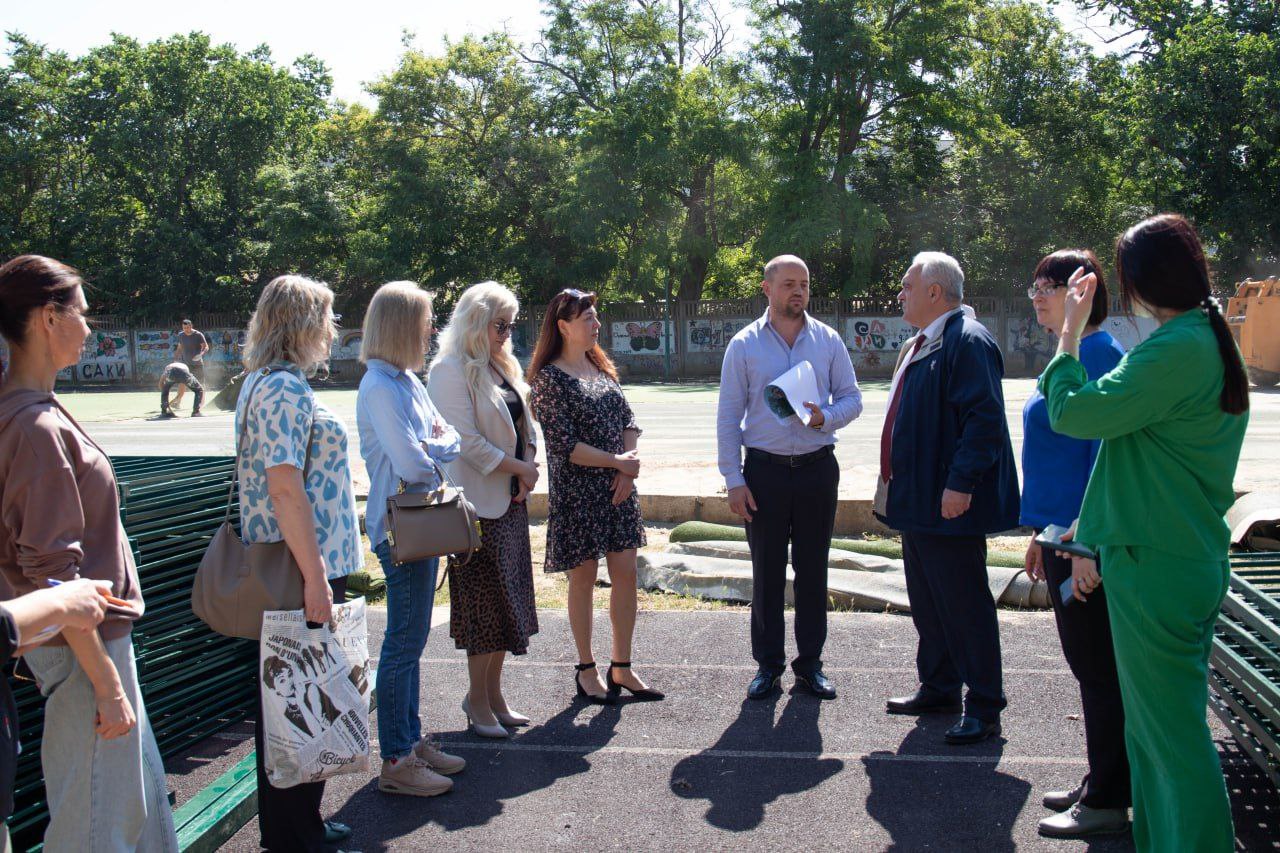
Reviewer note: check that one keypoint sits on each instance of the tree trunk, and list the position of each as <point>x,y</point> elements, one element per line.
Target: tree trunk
<point>694,243</point>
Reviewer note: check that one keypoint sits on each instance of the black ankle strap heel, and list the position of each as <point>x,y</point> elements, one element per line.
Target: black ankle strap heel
<point>642,695</point>
<point>606,699</point>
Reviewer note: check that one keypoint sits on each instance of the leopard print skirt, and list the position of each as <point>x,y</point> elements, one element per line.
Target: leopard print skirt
<point>491,607</point>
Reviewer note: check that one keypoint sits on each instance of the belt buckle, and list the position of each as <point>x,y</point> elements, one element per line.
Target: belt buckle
<point>794,461</point>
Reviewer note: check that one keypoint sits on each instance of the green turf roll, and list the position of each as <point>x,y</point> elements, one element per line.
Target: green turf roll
<point>705,531</point>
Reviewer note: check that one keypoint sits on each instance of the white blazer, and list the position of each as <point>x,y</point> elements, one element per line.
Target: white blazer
<point>487,433</point>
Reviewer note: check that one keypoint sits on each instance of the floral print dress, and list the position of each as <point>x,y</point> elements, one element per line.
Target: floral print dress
<point>583,524</point>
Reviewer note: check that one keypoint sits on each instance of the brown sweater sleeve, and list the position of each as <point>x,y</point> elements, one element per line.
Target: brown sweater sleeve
<point>42,509</point>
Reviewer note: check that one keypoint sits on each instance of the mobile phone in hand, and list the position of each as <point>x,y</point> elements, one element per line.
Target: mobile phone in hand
<point>1065,593</point>
<point>1051,538</point>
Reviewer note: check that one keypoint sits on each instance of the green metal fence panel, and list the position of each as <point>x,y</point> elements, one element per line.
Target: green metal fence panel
<point>194,682</point>
<point>1245,662</point>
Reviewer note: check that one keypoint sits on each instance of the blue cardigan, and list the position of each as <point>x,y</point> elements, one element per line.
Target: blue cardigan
<point>951,432</point>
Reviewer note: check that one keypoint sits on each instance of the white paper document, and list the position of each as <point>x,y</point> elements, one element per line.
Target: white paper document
<point>787,394</point>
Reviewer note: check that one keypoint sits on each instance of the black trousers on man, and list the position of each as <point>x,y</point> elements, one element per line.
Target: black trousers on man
<point>955,616</point>
<point>289,819</point>
<point>1085,632</point>
<point>795,507</point>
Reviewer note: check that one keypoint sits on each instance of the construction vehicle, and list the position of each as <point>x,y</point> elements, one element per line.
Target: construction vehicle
<point>1253,315</point>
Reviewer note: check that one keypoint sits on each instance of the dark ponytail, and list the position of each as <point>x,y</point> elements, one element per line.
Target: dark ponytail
<point>1161,263</point>
<point>1235,385</point>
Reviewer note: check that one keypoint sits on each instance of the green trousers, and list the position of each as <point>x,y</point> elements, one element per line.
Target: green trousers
<point>1163,608</point>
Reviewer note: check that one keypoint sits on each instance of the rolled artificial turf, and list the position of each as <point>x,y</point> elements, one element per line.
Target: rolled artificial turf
<point>705,531</point>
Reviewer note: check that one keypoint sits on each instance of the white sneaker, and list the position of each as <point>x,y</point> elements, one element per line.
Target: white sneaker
<point>410,775</point>
<point>430,754</point>
<point>1080,821</point>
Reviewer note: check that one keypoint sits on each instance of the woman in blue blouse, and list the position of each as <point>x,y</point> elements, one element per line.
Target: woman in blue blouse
<point>402,440</point>
<point>1055,470</point>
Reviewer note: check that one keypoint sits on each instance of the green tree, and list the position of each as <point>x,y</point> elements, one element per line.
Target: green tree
<point>653,101</point>
<point>836,81</point>
<point>464,173</point>
<point>1203,118</point>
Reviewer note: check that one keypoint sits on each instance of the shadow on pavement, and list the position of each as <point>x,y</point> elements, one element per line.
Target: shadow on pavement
<point>971,805</point>
<point>738,791</point>
<point>491,778</point>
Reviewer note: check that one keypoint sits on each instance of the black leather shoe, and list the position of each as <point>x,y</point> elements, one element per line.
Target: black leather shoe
<point>816,683</point>
<point>763,684</point>
<point>923,703</point>
<point>971,730</point>
<point>335,832</point>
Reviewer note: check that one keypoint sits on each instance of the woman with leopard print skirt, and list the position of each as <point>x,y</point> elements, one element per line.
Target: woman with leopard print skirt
<point>475,383</point>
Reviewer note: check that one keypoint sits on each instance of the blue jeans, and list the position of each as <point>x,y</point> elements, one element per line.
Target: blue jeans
<point>411,590</point>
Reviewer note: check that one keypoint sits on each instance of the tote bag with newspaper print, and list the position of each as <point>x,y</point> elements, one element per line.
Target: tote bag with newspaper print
<point>315,695</point>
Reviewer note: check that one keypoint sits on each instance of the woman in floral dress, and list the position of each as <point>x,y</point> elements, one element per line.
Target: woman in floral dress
<point>590,435</point>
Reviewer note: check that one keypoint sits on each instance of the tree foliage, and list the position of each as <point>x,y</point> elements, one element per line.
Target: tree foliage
<point>640,148</point>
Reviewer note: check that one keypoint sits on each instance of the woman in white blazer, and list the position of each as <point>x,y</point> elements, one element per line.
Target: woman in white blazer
<point>475,383</point>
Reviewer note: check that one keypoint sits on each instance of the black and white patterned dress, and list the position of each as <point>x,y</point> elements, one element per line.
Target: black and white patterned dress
<point>582,522</point>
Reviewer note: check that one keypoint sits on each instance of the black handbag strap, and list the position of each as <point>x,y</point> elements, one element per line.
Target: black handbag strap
<point>235,471</point>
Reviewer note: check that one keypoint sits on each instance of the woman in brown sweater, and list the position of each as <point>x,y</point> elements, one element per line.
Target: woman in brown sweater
<point>60,520</point>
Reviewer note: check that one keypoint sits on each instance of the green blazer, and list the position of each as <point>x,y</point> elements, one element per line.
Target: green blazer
<point>1164,476</point>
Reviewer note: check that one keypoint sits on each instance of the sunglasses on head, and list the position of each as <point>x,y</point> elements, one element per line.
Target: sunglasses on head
<point>579,299</point>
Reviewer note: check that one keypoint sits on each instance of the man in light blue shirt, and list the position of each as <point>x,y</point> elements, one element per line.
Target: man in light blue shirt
<point>786,489</point>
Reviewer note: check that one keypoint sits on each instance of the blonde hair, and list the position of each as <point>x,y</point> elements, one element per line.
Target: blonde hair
<point>293,322</point>
<point>395,325</point>
<point>466,338</point>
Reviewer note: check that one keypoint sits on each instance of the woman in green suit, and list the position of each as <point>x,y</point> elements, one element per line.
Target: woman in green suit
<point>1171,416</point>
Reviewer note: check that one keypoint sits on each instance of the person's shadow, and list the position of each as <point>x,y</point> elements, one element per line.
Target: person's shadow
<point>496,772</point>
<point>738,791</point>
<point>927,792</point>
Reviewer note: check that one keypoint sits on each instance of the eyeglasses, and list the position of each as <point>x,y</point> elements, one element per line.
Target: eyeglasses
<point>502,327</point>
<point>1033,291</point>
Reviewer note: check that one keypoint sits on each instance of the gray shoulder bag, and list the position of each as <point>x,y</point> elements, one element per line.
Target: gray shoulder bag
<point>236,583</point>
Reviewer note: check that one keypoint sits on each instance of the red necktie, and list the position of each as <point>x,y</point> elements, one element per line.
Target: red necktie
<point>886,437</point>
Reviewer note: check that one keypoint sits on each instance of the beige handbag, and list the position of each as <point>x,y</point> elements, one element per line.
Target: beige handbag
<point>236,583</point>
<point>432,524</point>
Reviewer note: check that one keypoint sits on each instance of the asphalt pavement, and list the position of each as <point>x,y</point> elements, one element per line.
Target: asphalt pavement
<point>708,770</point>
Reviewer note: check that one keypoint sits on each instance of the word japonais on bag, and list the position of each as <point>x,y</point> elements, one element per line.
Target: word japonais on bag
<point>315,695</point>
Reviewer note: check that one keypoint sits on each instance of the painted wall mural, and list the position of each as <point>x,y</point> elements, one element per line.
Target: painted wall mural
<point>105,358</point>
<point>876,334</point>
<point>643,338</point>
<point>713,335</point>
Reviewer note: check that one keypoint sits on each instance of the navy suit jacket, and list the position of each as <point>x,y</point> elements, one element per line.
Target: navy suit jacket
<point>951,432</point>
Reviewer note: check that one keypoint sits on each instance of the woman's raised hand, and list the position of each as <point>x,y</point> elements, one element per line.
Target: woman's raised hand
<point>1080,289</point>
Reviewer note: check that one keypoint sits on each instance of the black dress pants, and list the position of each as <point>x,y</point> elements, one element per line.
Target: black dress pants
<point>289,819</point>
<point>795,507</point>
<point>1085,631</point>
<point>955,616</point>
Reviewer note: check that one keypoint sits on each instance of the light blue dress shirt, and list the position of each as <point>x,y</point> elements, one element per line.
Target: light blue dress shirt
<point>394,416</point>
<point>756,356</point>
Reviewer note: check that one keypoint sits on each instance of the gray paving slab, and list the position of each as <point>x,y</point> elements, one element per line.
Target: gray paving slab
<point>708,770</point>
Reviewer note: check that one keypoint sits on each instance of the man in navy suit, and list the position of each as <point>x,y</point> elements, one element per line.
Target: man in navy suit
<point>947,479</point>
